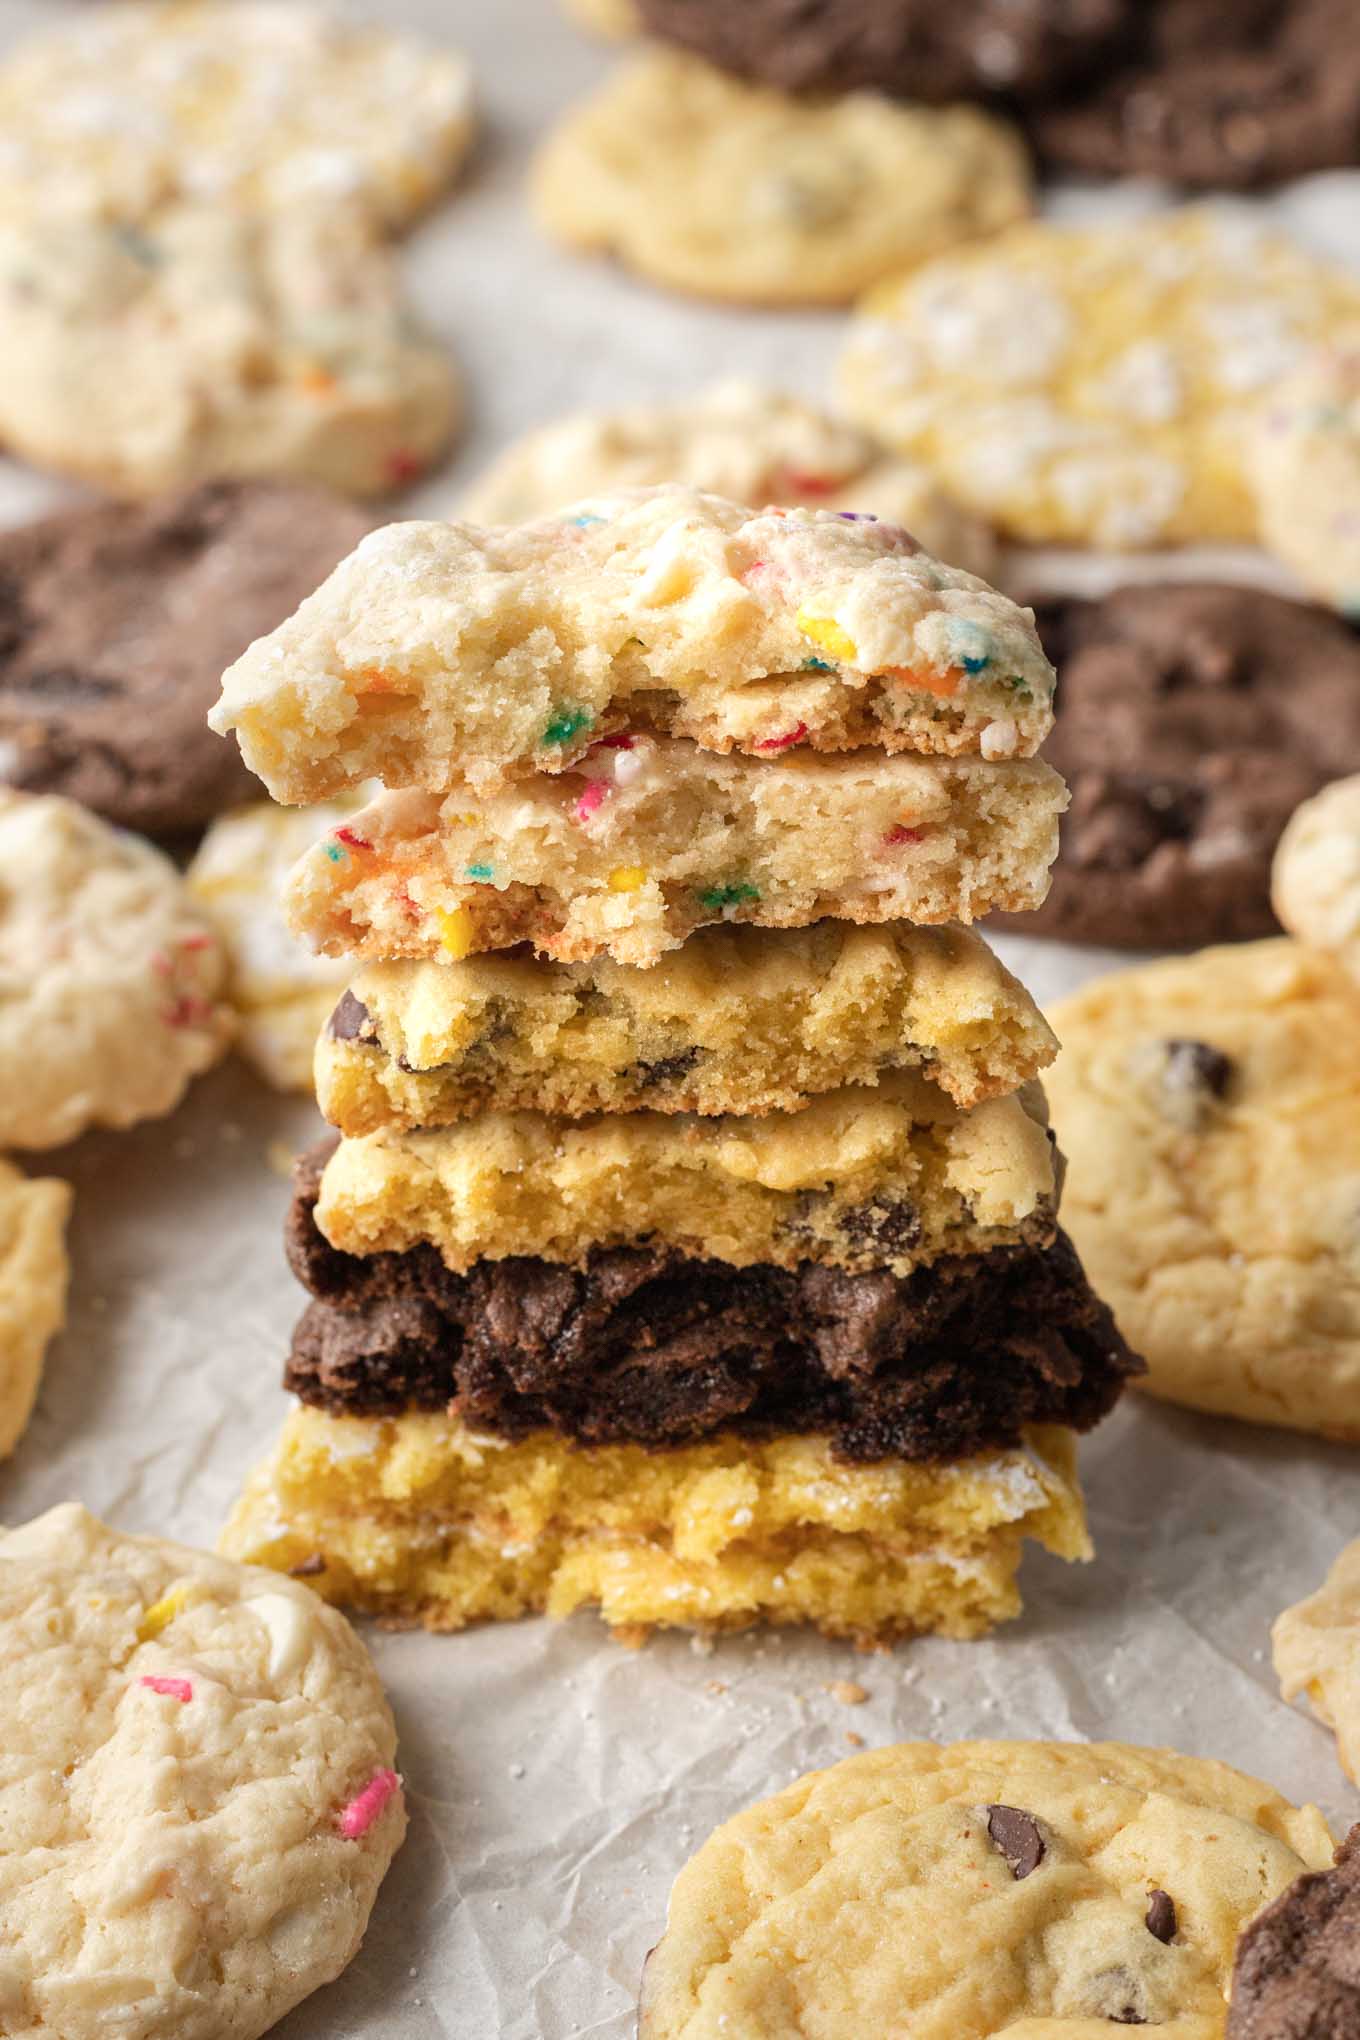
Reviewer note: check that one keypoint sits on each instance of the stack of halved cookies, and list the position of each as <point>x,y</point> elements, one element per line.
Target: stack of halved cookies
<point>690,1247</point>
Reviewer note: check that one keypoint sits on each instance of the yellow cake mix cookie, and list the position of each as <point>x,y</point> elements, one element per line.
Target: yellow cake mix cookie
<point>741,1020</point>
<point>886,1178</point>
<point>704,183</point>
<point>420,1519</point>
<point>1306,472</point>
<point>631,851</point>
<point>743,440</point>
<point>1095,385</point>
<point>443,654</point>
<point>961,1891</point>
<point>33,1277</point>
<point>211,344</point>
<point>281,991</point>
<point>111,980</point>
<point>1315,880</point>
<point>1209,1108</point>
<point>259,103</point>
<point>197,1773</point>
<point>1317,1653</point>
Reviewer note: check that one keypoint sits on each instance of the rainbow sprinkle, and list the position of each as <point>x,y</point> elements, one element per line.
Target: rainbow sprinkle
<point>627,878</point>
<point>172,1689</point>
<point>594,796</point>
<point>716,897</point>
<point>335,853</point>
<point>161,1613</point>
<point>566,724</point>
<point>353,839</point>
<point>793,736</point>
<point>456,932</point>
<point>478,871</point>
<point>359,1816</point>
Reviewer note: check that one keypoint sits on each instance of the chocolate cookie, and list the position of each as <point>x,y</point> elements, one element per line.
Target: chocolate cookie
<point>1297,1973</point>
<point>1192,720</point>
<point>1214,94</point>
<point>913,48</point>
<point>116,623</point>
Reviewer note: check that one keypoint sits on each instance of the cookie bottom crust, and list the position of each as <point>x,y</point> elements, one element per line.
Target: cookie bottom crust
<point>421,1520</point>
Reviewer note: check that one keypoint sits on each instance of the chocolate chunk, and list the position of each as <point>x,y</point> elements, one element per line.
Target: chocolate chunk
<point>1161,1916</point>
<point>669,1068</point>
<point>308,1568</point>
<point>352,1021</point>
<point>116,623</point>
<point>890,1226</point>
<point>1297,1972</point>
<point>1017,1836</point>
<point>1188,1079</point>
<point>917,49</point>
<point>1197,1066</point>
<point>1192,720</point>
<point>652,1347</point>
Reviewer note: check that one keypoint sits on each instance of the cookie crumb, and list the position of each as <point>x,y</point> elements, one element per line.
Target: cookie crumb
<point>849,1692</point>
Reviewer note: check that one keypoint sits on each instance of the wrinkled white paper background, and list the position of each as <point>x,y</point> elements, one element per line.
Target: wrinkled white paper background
<point>557,1782</point>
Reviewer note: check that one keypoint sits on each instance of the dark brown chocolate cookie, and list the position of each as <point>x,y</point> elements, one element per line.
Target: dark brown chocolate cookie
<point>1191,721</point>
<point>116,623</point>
<point>916,49</point>
<point>1297,1974</point>
<point>649,1347</point>
<point>1216,92</point>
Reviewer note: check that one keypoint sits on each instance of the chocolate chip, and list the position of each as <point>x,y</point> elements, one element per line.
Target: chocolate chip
<point>668,1068</point>
<point>351,1020</point>
<point>307,1568</point>
<point>1187,1079</point>
<point>1161,1916</point>
<point>881,1225</point>
<point>1195,1066</point>
<point>1016,1834</point>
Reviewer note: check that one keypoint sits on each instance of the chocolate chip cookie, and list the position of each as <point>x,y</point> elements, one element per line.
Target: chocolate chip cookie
<point>1211,95</point>
<point>1192,720</point>
<point>116,623</point>
<point>914,49</point>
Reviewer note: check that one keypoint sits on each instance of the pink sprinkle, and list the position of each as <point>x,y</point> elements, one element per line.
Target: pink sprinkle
<point>406,903</point>
<point>187,1011</point>
<point>359,1816</point>
<point>161,964</point>
<point>812,485</point>
<point>794,736</point>
<point>620,741</point>
<point>173,1689</point>
<point>594,796</point>
<point>402,466</point>
<point>196,941</point>
<point>354,841</point>
<point>899,834</point>
<point>754,571</point>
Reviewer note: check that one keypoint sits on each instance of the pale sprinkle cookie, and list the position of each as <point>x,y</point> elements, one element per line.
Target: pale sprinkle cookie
<point>1317,1653</point>
<point>110,978</point>
<point>198,1782</point>
<point>743,440</point>
<point>965,1890</point>
<point>1095,385</point>
<point>743,1020</point>
<point>33,1277</point>
<point>647,840</point>
<point>1210,1115</point>
<point>265,106</point>
<point>703,183</point>
<point>423,1519</point>
<point>1315,881</point>
<point>214,344</point>
<point>888,1178</point>
<point>280,990</point>
<point>1306,473</point>
<point>438,654</point>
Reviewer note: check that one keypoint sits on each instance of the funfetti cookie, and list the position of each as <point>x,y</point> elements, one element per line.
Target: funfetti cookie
<point>197,1769</point>
<point>114,113</point>
<point>446,654</point>
<point>1297,1972</point>
<point>280,990</point>
<point>913,49</point>
<point>115,624</point>
<point>1210,1114</point>
<point>33,1275</point>
<point>961,1891</point>
<point>743,440</point>
<point>1195,716</point>
<point>212,343</point>
<point>1317,1653</point>
<point>1306,474</point>
<point>111,980</point>
<point>704,183</point>
<point>1315,885</point>
<point>1095,385</point>
<point>1198,94</point>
